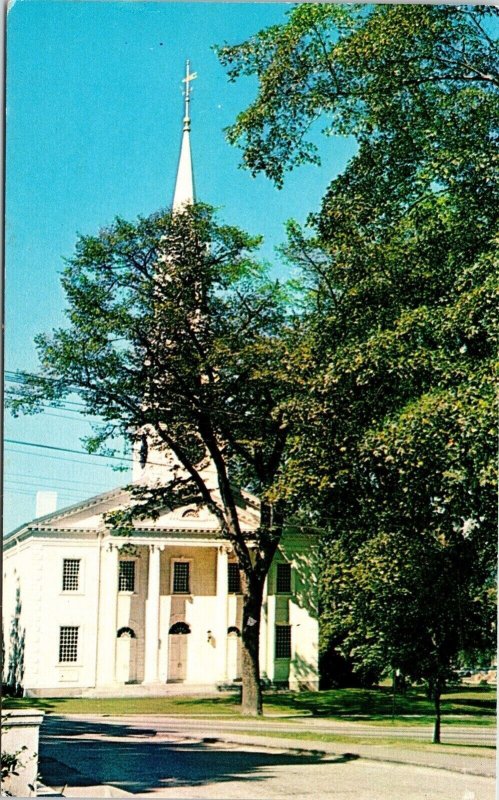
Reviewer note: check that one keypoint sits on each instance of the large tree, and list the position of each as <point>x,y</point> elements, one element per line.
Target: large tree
<point>401,264</point>
<point>174,330</point>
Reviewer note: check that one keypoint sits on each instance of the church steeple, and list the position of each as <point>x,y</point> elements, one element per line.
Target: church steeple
<point>184,186</point>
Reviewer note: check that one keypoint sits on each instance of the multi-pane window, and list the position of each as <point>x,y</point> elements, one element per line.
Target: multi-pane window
<point>283,579</point>
<point>181,577</point>
<point>283,641</point>
<point>68,643</point>
<point>234,578</point>
<point>70,574</point>
<point>126,576</point>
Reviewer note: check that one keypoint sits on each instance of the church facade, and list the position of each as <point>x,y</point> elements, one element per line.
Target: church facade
<point>90,612</point>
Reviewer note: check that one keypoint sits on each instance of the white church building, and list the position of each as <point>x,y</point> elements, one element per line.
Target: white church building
<point>90,613</point>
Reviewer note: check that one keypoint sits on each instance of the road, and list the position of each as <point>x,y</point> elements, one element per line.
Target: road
<point>146,757</point>
<point>451,734</point>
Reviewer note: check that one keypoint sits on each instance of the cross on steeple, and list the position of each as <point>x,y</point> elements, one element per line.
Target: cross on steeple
<point>189,76</point>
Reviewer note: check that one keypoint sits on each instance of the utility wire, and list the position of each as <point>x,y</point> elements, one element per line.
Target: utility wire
<point>79,452</point>
<point>16,475</point>
<point>48,485</point>
<point>67,450</point>
<point>59,458</point>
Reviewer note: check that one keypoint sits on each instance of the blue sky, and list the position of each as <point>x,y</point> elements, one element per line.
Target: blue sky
<point>94,110</point>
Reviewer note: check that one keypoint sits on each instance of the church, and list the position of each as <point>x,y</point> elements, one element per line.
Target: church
<point>90,613</point>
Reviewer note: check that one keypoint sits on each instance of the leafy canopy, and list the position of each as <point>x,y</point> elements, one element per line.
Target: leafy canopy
<point>395,455</point>
<point>174,328</point>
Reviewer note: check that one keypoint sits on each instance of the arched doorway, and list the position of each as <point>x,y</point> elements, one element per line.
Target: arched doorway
<point>126,656</point>
<point>177,651</point>
<point>233,653</point>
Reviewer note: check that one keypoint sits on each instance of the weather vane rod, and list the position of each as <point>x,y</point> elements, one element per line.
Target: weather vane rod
<point>189,76</point>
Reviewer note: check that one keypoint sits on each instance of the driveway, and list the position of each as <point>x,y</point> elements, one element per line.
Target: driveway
<point>139,759</point>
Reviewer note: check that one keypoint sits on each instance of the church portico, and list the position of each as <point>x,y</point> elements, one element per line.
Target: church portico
<point>166,607</point>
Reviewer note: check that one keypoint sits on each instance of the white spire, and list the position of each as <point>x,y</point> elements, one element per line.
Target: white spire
<point>184,186</point>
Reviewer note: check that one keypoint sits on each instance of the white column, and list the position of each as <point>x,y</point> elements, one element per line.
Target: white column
<point>106,626</point>
<point>222,609</point>
<point>271,636</point>
<point>263,631</point>
<point>152,618</point>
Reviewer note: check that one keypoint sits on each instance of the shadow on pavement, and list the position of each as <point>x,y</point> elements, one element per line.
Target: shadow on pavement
<point>82,753</point>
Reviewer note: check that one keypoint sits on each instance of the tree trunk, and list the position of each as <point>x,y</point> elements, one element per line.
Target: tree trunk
<point>436,729</point>
<point>251,699</point>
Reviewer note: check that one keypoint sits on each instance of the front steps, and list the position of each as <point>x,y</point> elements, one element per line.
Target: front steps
<point>151,690</point>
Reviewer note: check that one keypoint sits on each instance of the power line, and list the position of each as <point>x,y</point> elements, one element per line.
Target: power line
<point>27,493</point>
<point>65,404</point>
<point>59,458</point>
<point>78,452</point>
<point>17,475</point>
<point>49,485</point>
<point>67,450</point>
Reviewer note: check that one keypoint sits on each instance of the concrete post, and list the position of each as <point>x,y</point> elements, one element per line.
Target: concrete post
<point>20,735</point>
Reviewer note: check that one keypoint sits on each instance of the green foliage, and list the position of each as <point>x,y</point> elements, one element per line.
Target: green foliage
<point>172,325</point>
<point>11,763</point>
<point>395,458</point>
<point>399,72</point>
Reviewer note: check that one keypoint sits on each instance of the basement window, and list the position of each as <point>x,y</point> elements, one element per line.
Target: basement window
<point>68,644</point>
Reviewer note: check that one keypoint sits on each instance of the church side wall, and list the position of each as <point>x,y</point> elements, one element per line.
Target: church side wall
<point>49,607</point>
<point>296,611</point>
<point>21,569</point>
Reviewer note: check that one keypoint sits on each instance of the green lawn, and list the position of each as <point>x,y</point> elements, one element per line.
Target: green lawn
<point>476,751</point>
<point>475,705</point>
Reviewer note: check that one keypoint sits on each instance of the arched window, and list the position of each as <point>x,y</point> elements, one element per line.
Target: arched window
<point>180,627</point>
<point>233,631</point>
<point>128,632</point>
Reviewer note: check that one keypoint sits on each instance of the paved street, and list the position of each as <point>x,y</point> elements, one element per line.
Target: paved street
<point>451,734</point>
<point>146,757</point>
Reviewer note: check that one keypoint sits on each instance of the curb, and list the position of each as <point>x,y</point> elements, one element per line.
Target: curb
<point>282,744</point>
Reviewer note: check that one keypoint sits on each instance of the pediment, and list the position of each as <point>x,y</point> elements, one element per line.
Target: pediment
<point>190,516</point>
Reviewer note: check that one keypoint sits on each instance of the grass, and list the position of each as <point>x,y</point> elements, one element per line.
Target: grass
<point>466,705</point>
<point>477,751</point>
<point>379,703</point>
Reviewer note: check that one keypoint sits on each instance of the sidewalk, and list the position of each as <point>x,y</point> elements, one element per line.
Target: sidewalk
<point>452,762</point>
